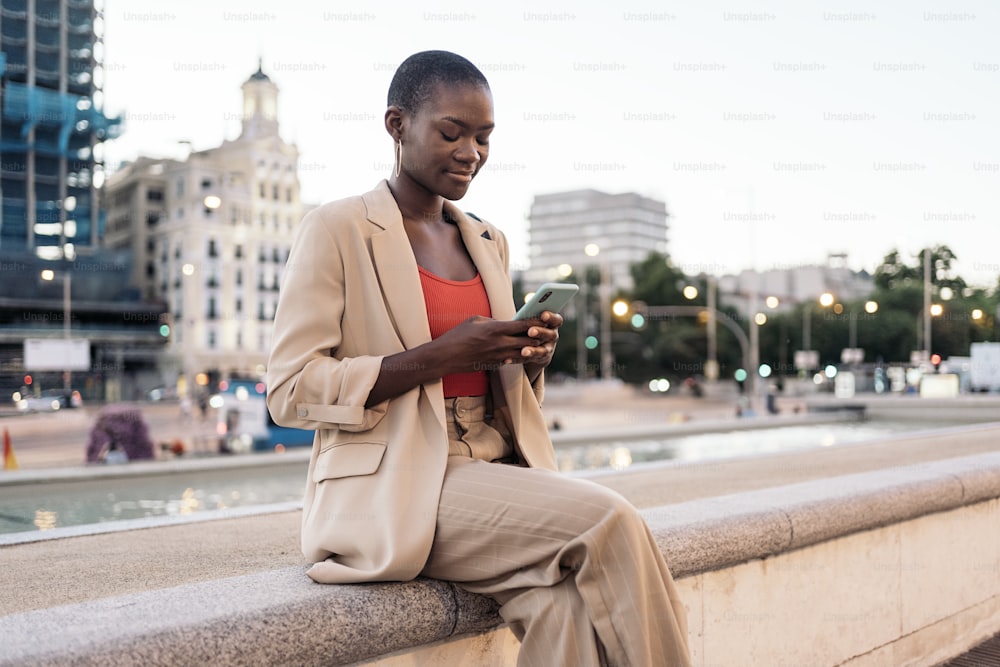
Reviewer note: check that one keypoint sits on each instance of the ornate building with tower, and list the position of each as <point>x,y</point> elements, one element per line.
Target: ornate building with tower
<point>210,235</point>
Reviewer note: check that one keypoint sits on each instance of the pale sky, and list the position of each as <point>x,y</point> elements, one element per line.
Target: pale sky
<point>775,134</point>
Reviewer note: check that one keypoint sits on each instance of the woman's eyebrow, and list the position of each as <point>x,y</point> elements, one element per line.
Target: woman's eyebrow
<point>463,124</point>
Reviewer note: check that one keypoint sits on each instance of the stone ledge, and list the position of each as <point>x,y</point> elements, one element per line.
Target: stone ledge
<point>703,535</point>
<point>281,617</point>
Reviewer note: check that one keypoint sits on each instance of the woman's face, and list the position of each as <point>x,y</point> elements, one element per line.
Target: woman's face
<point>446,142</point>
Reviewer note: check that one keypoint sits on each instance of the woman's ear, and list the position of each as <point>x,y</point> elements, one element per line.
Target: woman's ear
<point>394,122</point>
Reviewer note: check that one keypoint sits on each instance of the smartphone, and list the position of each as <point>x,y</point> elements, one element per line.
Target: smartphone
<point>550,296</point>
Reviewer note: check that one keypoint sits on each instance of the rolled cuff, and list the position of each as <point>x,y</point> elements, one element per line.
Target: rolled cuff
<point>349,413</point>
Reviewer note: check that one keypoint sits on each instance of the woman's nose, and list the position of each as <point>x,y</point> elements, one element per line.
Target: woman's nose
<point>468,152</point>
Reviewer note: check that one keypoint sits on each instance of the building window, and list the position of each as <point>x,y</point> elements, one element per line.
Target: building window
<point>239,340</point>
<point>288,194</point>
<point>239,305</point>
<point>211,339</point>
<point>212,251</point>
<point>152,218</point>
<point>263,190</point>
<point>211,308</point>
<point>154,195</point>
<point>206,183</point>
<point>274,193</point>
<point>239,276</point>
<point>260,311</point>
<point>180,187</point>
<point>238,251</point>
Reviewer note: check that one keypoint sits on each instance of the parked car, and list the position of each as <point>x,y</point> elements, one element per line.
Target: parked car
<point>49,401</point>
<point>162,394</point>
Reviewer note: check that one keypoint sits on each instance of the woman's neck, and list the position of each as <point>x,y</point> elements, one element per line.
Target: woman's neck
<point>414,202</point>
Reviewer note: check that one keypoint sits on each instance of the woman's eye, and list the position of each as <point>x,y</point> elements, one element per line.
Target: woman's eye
<point>447,138</point>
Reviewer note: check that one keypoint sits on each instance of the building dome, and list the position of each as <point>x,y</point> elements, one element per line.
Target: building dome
<point>259,74</point>
<point>260,106</point>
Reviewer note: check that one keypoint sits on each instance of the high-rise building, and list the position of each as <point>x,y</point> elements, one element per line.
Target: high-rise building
<point>56,280</point>
<point>625,227</point>
<point>210,235</point>
<point>52,127</point>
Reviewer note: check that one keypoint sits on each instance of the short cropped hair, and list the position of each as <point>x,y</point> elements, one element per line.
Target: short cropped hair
<point>416,77</point>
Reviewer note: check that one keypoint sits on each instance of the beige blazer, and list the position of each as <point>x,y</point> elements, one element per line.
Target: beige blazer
<point>350,295</point>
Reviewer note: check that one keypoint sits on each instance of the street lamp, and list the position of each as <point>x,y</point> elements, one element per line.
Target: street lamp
<point>607,359</point>
<point>187,328</point>
<point>67,281</point>
<point>825,300</point>
<point>871,307</point>
<point>644,311</point>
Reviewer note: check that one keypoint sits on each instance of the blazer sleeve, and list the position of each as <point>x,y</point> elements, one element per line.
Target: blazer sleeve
<point>308,386</point>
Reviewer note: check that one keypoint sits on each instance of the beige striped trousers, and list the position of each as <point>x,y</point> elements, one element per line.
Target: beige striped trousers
<point>579,577</point>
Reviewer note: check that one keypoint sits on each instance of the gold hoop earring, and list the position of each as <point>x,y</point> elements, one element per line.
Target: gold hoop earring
<point>399,158</point>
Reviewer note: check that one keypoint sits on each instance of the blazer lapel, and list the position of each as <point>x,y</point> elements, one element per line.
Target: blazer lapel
<point>486,256</point>
<point>397,268</point>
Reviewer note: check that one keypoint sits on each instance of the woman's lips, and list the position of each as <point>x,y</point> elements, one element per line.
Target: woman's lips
<point>461,176</point>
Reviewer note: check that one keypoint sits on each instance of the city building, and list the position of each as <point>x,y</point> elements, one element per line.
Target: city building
<point>57,281</point>
<point>625,227</point>
<point>794,286</point>
<point>210,235</point>
<point>52,126</point>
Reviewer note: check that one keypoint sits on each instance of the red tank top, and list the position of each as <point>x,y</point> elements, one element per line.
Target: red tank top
<point>449,303</point>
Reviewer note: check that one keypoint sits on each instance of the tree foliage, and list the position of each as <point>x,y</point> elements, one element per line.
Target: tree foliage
<point>676,347</point>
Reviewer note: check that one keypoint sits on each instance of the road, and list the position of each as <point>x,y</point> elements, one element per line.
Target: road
<point>59,439</point>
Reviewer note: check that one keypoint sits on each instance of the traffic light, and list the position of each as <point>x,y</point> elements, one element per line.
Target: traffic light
<point>936,362</point>
<point>166,320</point>
<point>741,377</point>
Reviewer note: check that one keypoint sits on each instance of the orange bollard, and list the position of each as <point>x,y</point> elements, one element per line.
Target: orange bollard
<point>9,460</point>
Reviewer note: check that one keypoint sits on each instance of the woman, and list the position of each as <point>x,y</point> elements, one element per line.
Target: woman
<point>393,338</point>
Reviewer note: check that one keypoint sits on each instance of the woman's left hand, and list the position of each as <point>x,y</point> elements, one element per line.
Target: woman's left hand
<point>545,336</point>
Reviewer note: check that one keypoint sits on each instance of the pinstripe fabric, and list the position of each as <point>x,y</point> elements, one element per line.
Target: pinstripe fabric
<point>578,575</point>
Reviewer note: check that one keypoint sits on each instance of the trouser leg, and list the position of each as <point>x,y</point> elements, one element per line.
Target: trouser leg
<point>524,536</point>
<point>560,629</point>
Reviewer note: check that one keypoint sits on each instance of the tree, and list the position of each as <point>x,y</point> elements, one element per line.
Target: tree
<point>893,273</point>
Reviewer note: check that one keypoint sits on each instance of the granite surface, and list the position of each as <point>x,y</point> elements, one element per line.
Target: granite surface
<point>279,616</point>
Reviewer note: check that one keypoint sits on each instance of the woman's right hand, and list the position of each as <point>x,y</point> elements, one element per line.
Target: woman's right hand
<point>477,344</point>
<point>481,343</point>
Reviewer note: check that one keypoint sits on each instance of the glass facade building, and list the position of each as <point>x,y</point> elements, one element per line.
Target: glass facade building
<point>52,126</point>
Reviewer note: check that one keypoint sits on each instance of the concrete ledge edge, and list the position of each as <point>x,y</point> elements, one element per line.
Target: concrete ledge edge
<point>281,616</point>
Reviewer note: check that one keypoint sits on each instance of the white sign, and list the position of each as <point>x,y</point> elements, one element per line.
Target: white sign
<point>843,385</point>
<point>56,354</point>
<point>934,385</point>
<point>806,360</point>
<point>852,355</point>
